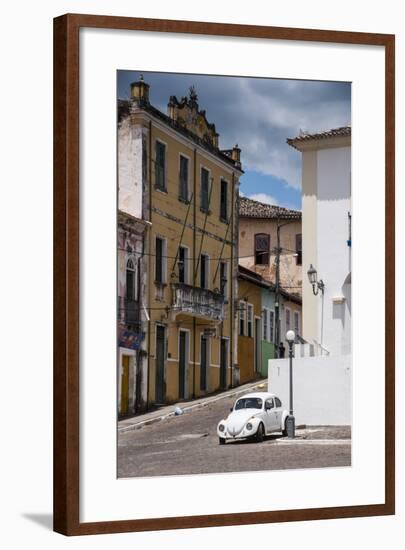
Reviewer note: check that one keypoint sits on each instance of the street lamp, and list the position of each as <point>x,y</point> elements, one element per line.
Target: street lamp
<point>290,420</point>
<point>313,279</point>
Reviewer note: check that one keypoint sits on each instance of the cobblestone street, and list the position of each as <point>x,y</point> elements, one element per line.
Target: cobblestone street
<point>188,444</point>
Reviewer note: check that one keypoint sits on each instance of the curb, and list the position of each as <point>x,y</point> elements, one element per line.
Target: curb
<point>195,406</point>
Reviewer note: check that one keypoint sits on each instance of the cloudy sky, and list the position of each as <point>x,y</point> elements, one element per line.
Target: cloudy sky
<point>259,115</point>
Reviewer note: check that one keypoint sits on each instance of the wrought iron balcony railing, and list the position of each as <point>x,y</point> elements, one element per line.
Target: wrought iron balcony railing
<point>199,302</point>
<point>131,311</point>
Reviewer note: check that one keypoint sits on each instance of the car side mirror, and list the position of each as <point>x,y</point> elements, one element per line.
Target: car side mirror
<point>231,409</point>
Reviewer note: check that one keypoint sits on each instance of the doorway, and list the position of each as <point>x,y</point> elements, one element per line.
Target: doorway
<point>203,363</point>
<point>160,363</point>
<point>223,362</point>
<point>258,362</point>
<point>183,363</point>
<point>124,401</point>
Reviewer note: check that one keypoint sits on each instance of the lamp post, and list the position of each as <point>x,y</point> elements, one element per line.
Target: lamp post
<point>290,421</point>
<point>278,250</point>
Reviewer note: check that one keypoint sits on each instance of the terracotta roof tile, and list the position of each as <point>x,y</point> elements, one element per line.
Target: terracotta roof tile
<point>249,208</point>
<point>334,132</point>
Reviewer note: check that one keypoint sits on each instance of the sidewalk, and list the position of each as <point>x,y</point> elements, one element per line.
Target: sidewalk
<point>140,420</point>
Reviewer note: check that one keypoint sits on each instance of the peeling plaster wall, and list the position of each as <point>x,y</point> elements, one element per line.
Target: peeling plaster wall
<point>290,272</point>
<point>129,168</point>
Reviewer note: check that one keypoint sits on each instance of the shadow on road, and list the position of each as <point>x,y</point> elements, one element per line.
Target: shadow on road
<point>247,441</point>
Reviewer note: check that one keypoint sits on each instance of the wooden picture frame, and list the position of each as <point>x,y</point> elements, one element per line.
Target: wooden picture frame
<point>66,273</point>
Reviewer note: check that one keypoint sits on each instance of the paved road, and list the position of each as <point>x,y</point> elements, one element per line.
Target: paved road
<point>188,444</point>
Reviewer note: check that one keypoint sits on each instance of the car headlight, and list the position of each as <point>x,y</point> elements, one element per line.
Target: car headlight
<point>249,426</point>
<point>221,427</point>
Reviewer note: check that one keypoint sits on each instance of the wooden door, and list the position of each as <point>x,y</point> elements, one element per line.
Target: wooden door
<point>203,363</point>
<point>182,363</point>
<point>124,385</point>
<point>223,362</point>
<point>160,363</point>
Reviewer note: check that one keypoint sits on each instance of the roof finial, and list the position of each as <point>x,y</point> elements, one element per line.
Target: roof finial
<point>192,93</point>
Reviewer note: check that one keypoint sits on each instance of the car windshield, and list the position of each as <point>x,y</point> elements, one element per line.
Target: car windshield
<point>249,403</point>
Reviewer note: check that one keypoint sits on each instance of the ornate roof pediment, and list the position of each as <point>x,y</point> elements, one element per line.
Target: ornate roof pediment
<point>187,114</point>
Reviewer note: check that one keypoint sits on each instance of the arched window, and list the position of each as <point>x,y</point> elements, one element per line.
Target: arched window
<point>130,280</point>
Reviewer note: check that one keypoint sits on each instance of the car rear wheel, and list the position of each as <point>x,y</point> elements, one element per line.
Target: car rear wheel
<point>222,441</point>
<point>259,434</point>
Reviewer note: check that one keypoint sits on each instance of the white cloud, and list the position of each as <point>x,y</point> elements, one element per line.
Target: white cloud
<point>260,114</point>
<point>265,198</point>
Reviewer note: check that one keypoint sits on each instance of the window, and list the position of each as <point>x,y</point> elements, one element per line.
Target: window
<point>271,327</point>
<point>250,320</point>
<point>249,403</point>
<point>183,179</point>
<point>205,189</point>
<point>296,322</point>
<point>262,249</point>
<point>278,403</point>
<point>160,166</point>
<point>242,318</point>
<point>144,160</point>
<point>265,324</point>
<point>269,404</point>
<point>130,280</point>
<point>160,263</point>
<point>183,264</point>
<point>298,248</point>
<point>223,210</point>
<point>130,293</point>
<point>223,274</point>
<point>287,319</point>
<point>204,271</point>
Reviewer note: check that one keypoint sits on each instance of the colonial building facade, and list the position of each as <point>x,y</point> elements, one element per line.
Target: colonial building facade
<point>257,323</point>
<point>174,176</point>
<point>270,245</point>
<point>132,364</point>
<point>326,221</point>
<point>263,228</point>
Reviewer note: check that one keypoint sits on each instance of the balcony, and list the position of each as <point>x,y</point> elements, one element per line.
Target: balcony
<point>198,302</point>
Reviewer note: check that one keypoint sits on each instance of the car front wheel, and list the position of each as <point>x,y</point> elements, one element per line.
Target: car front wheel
<point>221,441</point>
<point>259,434</point>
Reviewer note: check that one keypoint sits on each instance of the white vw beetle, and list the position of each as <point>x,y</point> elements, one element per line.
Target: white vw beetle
<point>253,415</point>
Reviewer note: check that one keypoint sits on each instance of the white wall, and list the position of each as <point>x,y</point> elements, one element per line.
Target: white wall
<point>326,202</point>
<point>321,388</point>
<point>333,263</point>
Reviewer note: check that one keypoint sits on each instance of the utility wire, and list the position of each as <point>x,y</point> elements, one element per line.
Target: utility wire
<point>212,258</point>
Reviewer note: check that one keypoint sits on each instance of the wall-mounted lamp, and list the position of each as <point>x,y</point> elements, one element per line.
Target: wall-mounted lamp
<point>313,279</point>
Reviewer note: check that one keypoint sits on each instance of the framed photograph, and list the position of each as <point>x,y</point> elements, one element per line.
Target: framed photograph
<point>223,274</point>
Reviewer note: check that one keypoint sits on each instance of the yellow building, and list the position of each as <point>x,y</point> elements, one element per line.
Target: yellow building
<point>173,174</point>
<point>250,285</point>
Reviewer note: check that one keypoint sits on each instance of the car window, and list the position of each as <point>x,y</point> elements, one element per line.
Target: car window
<point>278,402</point>
<point>269,404</point>
<point>249,403</point>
